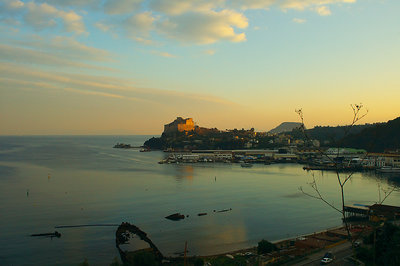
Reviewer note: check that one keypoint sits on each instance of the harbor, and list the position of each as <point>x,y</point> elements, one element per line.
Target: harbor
<point>323,161</point>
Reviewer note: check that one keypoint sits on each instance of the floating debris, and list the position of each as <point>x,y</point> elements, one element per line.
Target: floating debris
<point>175,217</point>
<point>55,234</point>
<point>202,214</point>
<point>83,225</point>
<point>225,210</point>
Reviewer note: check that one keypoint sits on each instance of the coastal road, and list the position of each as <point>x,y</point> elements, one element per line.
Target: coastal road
<point>341,253</point>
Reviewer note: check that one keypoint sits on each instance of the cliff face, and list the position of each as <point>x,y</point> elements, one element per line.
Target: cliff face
<point>285,127</point>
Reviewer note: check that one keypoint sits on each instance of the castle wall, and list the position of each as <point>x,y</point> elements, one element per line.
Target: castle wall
<point>179,125</point>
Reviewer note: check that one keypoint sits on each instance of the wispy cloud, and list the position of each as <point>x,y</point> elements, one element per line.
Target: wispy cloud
<point>145,41</point>
<point>91,85</point>
<point>31,56</point>
<point>163,54</point>
<point>299,20</point>
<point>62,45</point>
<point>209,52</point>
<point>96,93</point>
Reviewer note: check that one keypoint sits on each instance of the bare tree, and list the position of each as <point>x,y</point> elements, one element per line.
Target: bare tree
<point>358,113</point>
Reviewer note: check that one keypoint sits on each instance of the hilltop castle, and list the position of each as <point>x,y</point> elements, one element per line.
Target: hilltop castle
<point>179,125</point>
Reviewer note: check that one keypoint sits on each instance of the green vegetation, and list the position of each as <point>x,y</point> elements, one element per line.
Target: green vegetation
<point>198,262</point>
<point>84,263</point>
<point>142,258</point>
<point>265,246</point>
<point>326,135</point>
<point>377,138</point>
<point>386,240</point>
<point>116,262</point>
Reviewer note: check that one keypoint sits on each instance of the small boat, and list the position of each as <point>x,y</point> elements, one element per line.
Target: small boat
<point>175,217</point>
<point>202,214</point>
<point>246,165</point>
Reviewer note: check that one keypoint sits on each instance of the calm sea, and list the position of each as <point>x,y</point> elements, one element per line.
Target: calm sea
<point>48,181</point>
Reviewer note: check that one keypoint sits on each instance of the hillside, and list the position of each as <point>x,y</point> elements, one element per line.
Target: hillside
<point>378,138</point>
<point>285,127</point>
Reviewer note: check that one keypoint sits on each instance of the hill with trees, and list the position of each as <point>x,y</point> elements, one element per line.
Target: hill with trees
<point>377,138</point>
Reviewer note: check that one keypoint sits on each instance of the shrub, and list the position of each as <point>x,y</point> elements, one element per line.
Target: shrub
<point>265,246</point>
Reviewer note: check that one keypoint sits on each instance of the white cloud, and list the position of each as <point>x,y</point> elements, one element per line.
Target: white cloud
<point>299,20</point>
<point>206,21</point>
<point>140,23</point>
<point>115,7</point>
<point>205,27</point>
<point>10,7</point>
<point>194,21</point>
<point>42,16</point>
<point>323,10</point>
<point>15,4</point>
<point>253,4</point>
<point>178,7</point>
<point>72,3</point>
<point>284,4</point>
<point>305,4</point>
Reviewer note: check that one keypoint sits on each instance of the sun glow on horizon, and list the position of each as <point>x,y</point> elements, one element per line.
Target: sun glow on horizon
<point>129,67</point>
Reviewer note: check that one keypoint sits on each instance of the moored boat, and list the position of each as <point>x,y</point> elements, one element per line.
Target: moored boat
<point>389,169</point>
<point>246,165</point>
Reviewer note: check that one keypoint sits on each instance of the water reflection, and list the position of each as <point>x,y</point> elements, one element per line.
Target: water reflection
<point>184,171</point>
<point>392,179</point>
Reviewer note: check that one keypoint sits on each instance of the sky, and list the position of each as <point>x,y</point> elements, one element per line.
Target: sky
<point>130,66</point>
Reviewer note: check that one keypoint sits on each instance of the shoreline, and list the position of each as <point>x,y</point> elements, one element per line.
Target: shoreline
<point>276,242</point>
<point>289,250</point>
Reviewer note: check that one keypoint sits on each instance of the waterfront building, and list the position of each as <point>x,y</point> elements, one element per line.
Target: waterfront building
<point>383,159</point>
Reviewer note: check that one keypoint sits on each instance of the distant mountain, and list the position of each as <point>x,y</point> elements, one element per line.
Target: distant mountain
<point>285,127</point>
<point>377,138</point>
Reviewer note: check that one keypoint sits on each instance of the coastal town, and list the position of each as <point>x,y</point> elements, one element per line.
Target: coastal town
<point>365,226</point>
<point>185,142</point>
